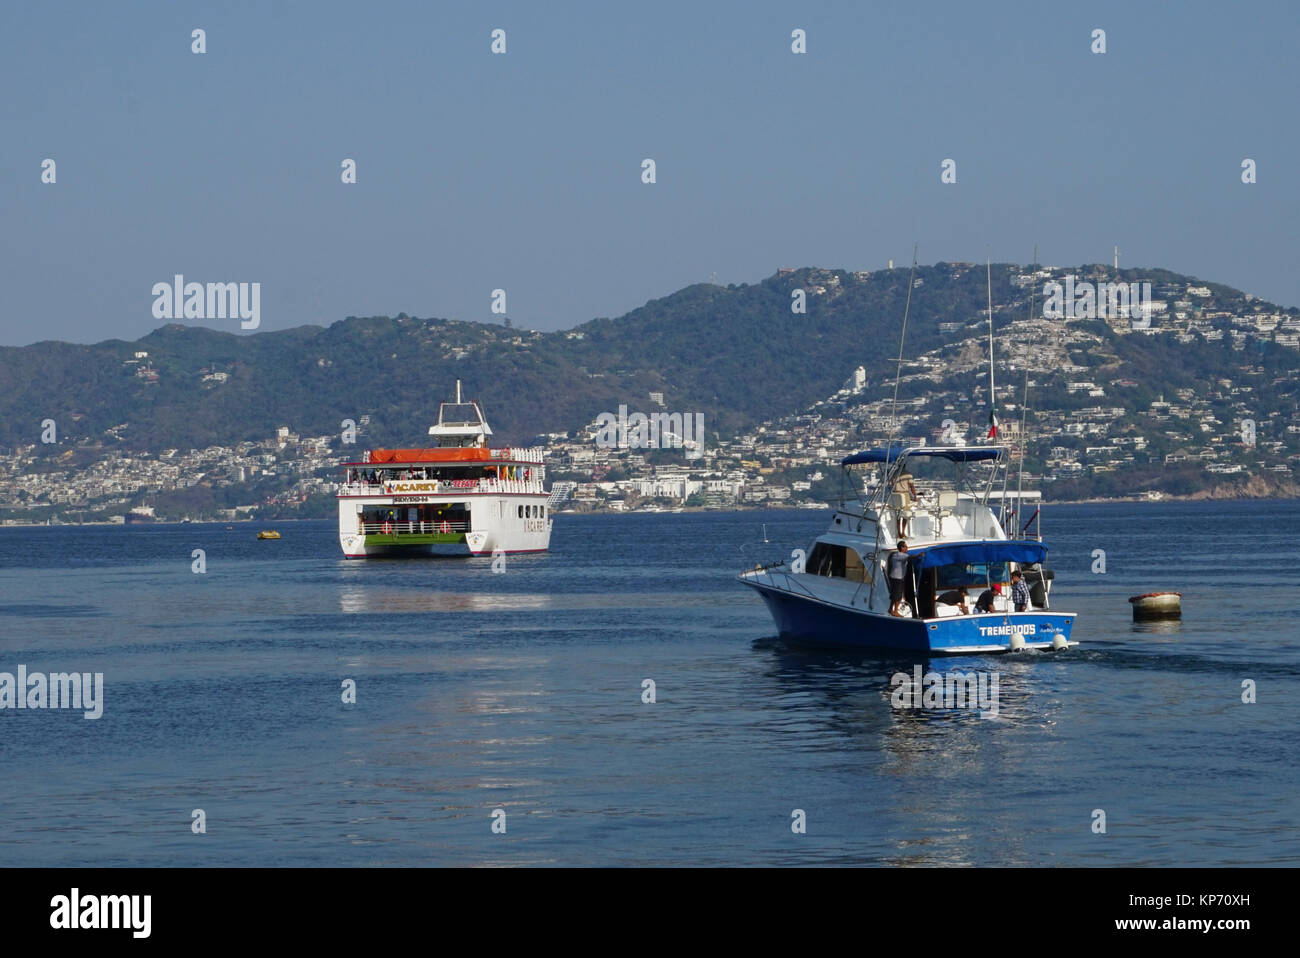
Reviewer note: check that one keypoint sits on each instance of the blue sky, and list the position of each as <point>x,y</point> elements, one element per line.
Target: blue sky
<point>522,171</point>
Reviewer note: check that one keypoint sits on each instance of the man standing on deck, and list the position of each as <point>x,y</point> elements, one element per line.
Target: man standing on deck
<point>906,489</point>
<point>1019,592</point>
<point>897,572</point>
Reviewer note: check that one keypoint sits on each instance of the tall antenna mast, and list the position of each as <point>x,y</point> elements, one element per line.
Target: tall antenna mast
<point>898,371</point>
<point>458,392</point>
<point>1024,404</point>
<point>993,400</point>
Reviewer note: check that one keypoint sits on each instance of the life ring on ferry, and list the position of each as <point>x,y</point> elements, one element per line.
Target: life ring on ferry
<point>388,528</point>
<point>446,526</point>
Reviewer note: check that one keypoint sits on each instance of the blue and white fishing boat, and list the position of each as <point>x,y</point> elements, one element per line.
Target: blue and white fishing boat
<point>958,554</point>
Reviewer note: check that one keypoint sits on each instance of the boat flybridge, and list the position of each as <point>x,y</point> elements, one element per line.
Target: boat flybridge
<point>458,497</point>
<point>959,560</point>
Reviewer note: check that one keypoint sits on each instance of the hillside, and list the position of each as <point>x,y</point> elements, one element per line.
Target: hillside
<point>738,354</point>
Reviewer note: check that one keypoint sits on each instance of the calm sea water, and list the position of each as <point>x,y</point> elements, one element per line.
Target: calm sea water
<point>523,691</point>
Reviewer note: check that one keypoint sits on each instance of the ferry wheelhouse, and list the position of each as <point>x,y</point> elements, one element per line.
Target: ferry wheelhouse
<point>959,553</point>
<point>458,497</point>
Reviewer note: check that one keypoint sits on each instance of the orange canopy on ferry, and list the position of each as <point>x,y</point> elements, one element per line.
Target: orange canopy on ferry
<point>466,454</point>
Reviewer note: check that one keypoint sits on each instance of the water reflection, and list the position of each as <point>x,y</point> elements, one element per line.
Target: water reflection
<point>374,600</point>
<point>935,760</point>
<point>1159,626</point>
<point>368,600</point>
<point>34,610</point>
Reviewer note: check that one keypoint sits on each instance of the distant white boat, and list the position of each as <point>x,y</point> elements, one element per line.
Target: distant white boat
<point>459,497</point>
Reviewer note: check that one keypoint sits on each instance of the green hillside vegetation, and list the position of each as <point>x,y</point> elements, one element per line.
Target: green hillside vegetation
<point>737,354</point>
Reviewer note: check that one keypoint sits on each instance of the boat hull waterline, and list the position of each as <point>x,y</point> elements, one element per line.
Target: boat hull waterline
<point>811,621</point>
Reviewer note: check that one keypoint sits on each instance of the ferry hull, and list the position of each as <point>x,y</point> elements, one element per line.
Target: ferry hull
<point>809,621</point>
<point>532,536</point>
<point>381,546</point>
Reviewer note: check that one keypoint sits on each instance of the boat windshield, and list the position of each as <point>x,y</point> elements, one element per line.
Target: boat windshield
<point>458,414</point>
<point>837,562</point>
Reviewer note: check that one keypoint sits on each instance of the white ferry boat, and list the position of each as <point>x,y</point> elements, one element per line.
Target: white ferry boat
<point>458,497</point>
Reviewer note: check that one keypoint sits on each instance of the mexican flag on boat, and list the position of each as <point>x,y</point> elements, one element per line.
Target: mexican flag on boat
<point>993,424</point>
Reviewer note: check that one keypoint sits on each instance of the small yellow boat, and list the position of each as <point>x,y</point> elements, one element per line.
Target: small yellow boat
<point>268,534</point>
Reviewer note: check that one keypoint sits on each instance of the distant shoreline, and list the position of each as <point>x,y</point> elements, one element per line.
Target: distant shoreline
<point>685,510</point>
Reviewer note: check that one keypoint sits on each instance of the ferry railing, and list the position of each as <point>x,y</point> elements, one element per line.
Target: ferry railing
<point>412,528</point>
<point>445,487</point>
<point>510,485</point>
<point>516,454</point>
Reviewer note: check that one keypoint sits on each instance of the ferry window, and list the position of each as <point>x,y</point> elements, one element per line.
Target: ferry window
<point>543,512</point>
<point>521,512</point>
<point>459,414</point>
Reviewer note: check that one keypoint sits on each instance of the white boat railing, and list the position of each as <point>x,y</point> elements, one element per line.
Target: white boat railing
<point>516,454</point>
<point>510,485</point>
<point>412,528</point>
<point>535,454</point>
<point>445,487</point>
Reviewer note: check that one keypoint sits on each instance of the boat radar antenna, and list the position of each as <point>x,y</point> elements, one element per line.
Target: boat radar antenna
<point>458,400</point>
